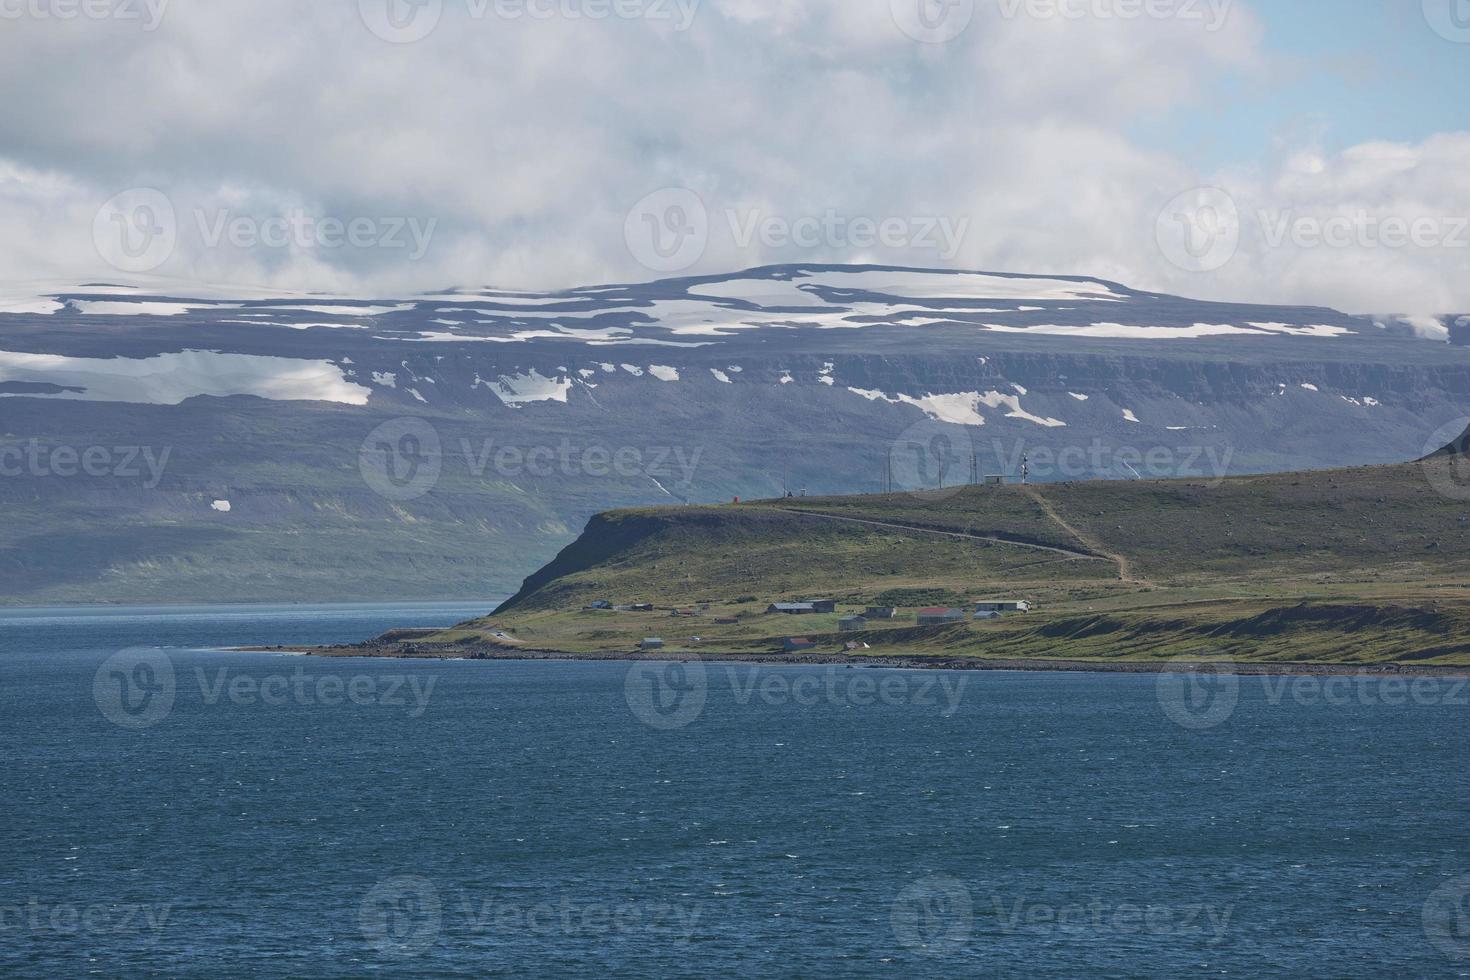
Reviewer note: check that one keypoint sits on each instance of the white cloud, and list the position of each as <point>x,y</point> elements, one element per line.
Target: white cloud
<point>526,142</point>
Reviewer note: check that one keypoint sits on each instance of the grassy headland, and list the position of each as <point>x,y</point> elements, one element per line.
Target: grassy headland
<point>1358,567</point>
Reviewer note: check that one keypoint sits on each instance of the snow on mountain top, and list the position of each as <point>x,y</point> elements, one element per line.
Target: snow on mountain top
<point>709,309</point>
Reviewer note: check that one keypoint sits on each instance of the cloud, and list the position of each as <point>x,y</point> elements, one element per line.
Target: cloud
<point>524,131</point>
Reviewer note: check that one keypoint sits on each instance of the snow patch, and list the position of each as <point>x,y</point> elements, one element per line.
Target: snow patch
<point>523,389</point>
<point>721,376</point>
<point>664,372</point>
<point>223,506</point>
<point>169,379</point>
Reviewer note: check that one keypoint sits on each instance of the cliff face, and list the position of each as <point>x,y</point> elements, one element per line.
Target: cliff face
<point>445,448</point>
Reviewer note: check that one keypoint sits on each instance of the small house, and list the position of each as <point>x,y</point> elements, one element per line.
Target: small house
<point>939,616</point>
<point>797,644</point>
<point>652,643</point>
<point>851,624</point>
<point>1000,608</point>
<point>881,612</point>
<point>823,605</point>
<point>792,609</point>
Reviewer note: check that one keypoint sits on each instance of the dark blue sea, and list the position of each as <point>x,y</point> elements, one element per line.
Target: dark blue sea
<point>168,809</point>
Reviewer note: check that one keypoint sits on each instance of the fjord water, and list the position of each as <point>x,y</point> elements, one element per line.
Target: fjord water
<point>289,816</point>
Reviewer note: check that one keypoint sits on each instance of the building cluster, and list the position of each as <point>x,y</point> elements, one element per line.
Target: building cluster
<point>853,623</point>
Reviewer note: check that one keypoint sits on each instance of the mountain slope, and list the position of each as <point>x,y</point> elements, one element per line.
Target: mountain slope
<point>1362,566</point>
<point>447,445</point>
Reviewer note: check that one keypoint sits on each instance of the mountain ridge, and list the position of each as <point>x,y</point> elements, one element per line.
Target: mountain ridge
<point>285,420</point>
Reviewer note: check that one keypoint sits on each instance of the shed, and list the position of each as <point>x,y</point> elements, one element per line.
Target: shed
<point>792,608</point>
<point>1003,606</point>
<point>881,612</point>
<point>850,624</point>
<point>652,643</point>
<point>796,644</point>
<point>823,605</point>
<point>939,616</point>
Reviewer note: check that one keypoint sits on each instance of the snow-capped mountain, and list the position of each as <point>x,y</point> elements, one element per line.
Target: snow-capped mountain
<point>290,424</point>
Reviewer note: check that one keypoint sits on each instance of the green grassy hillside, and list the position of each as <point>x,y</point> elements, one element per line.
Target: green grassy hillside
<point>1358,566</point>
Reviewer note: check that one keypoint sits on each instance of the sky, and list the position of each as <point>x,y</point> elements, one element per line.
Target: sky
<point>1296,151</point>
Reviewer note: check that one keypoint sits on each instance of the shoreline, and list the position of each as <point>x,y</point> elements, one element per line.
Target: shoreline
<point>410,651</point>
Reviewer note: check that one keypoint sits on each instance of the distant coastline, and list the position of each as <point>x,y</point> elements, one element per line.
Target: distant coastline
<point>408,651</point>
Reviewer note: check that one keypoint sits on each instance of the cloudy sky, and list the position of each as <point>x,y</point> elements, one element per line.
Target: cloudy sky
<point>1311,151</point>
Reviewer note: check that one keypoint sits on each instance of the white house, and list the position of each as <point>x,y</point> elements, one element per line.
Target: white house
<point>1003,607</point>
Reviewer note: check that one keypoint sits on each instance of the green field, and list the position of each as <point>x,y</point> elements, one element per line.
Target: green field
<point>1363,566</point>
